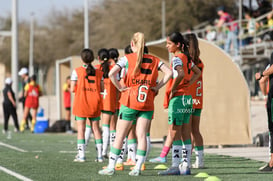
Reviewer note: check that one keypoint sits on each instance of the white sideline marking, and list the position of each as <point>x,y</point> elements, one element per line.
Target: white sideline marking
<point>38,151</point>
<point>71,151</point>
<point>21,177</point>
<point>12,147</point>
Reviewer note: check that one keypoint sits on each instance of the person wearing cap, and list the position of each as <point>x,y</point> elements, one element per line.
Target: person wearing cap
<point>32,94</point>
<point>25,79</point>
<point>9,106</point>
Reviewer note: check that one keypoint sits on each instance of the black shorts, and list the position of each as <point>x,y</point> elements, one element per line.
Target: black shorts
<point>68,108</point>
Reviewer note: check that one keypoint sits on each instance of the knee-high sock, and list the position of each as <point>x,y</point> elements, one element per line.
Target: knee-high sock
<point>140,156</point>
<point>98,143</point>
<point>132,145</point>
<point>199,154</point>
<point>176,153</point>
<point>165,151</point>
<point>81,148</point>
<point>105,138</point>
<point>87,134</point>
<point>186,153</point>
<point>148,139</point>
<point>123,151</point>
<point>112,137</point>
<point>114,153</point>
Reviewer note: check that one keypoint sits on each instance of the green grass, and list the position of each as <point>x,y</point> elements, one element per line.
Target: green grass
<point>43,161</point>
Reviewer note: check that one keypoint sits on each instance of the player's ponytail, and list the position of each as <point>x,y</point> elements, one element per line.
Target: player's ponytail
<point>192,43</point>
<point>87,56</point>
<point>138,41</point>
<point>113,54</point>
<point>104,56</point>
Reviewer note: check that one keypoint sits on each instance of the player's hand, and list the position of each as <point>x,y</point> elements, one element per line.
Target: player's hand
<point>172,94</point>
<point>155,89</point>
<point>122,89</point>
<point>257,75</point>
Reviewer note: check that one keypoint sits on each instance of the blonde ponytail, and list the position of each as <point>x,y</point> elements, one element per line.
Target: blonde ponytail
<point>138,40</point>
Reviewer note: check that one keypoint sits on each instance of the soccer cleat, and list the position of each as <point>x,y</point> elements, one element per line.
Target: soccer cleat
<point>99,159</point>
<point>184,170</point>
<point>78,159</point>
<point>170,171</point>
<point>107,171</point>
<point>119,167</point>
<point>129,162</point>
<point>266,168</point>
<point>196,165</point>
<point>143,167</point>
<point>158,160</point>
<point>134,172</point>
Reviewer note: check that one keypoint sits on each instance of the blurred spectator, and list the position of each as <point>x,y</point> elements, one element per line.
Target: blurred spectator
<point>23,73</point>
<point>210,33</point>
<point>252,26</point>
<point>9,106</point>
<point>233,30</point>
<point>67,103</point>
<point>270,20</point>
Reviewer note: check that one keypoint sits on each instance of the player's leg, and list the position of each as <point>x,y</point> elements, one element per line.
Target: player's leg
<point>80,139</point>
<point>113,123</point>
<point>186,135</point>
<point>23,122</point>
<point>142,125</point>
<point>124,122</point>
<point>98,138</point>
<point>105,132</point>
<point>198,140</point>
<point>33,122</point>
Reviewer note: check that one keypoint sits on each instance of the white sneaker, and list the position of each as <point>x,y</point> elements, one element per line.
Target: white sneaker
<point>184,170</point>
<point>3,131</point>
<point>78,159</point>
<point>134,172</point>
<point>197,165</point>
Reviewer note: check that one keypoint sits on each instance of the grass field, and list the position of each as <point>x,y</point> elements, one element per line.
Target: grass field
<point>49,157</point>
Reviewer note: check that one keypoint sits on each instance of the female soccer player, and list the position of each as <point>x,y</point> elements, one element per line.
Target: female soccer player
<point>137,99</point>
<point>86,83</point>
<point>178,102</point>
<point>196,91</point>
<point>32,93</point>
<point>113,58</point>
<point>108,98</point>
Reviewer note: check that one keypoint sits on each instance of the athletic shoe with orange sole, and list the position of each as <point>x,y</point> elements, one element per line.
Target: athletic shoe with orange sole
<point>118,167</point>
<point>129,162</point>
<point>143,167</point>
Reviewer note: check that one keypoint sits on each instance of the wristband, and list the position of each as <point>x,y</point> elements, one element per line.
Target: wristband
<point>260,76</point>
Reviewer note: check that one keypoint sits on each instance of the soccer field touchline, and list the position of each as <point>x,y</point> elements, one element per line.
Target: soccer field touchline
<point>12,147</point>
<point>71,151</point>
<point>17,175</point>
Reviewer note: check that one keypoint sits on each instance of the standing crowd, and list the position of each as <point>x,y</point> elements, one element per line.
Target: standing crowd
<point>121,93</point>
